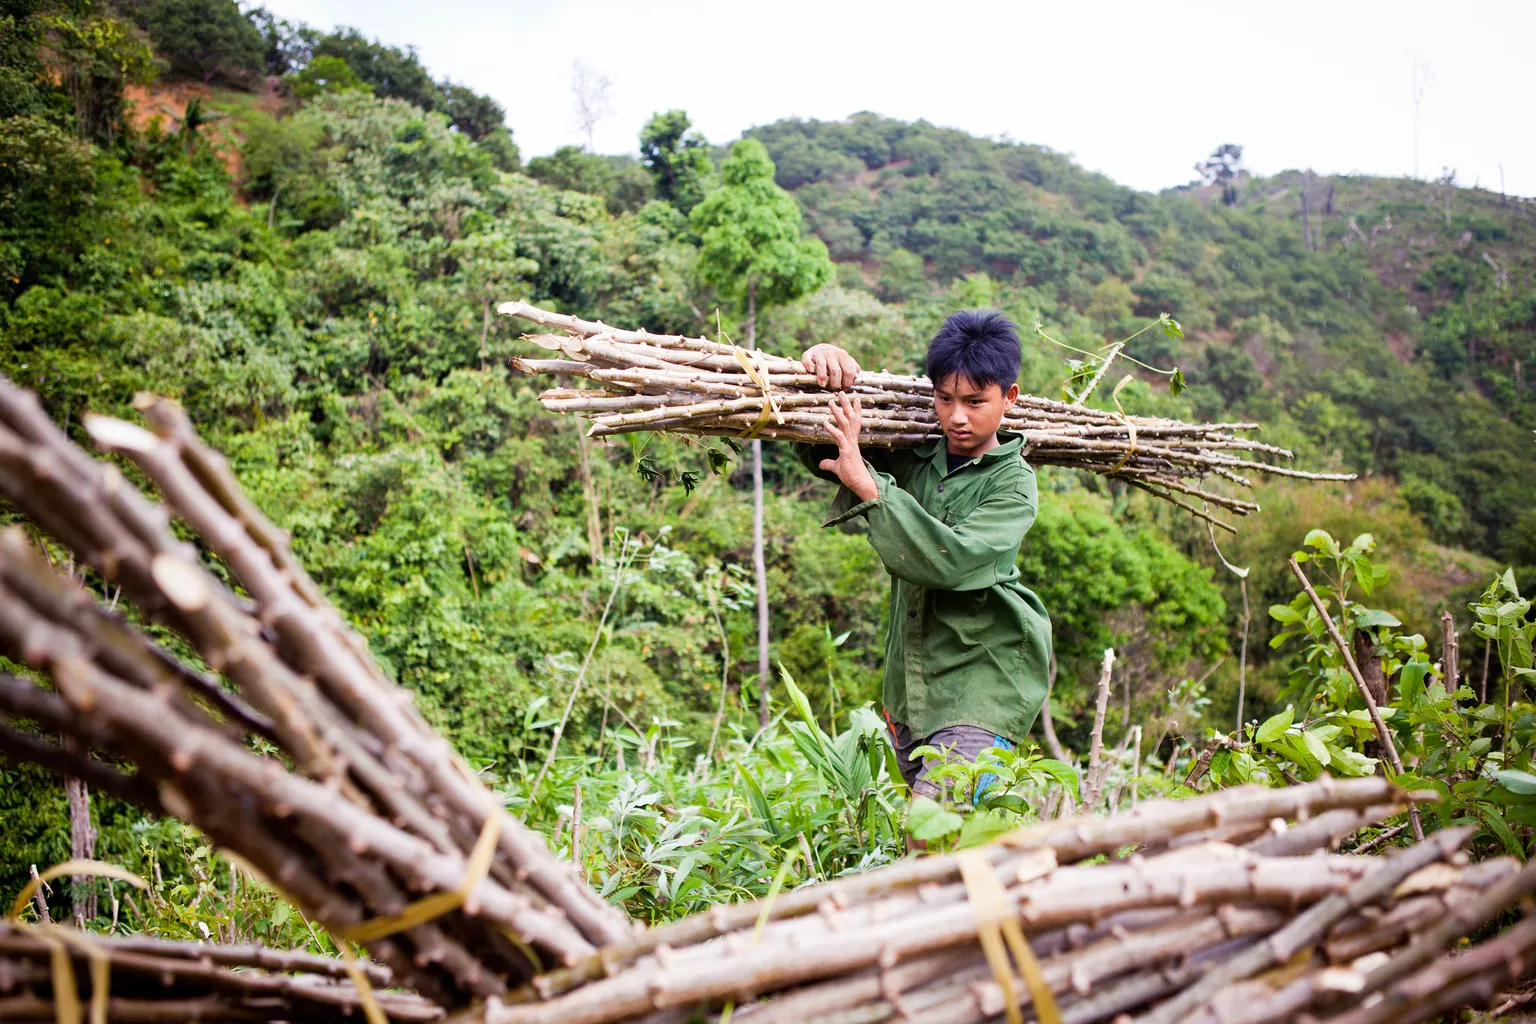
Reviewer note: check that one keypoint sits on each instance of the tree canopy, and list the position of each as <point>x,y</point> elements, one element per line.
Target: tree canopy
<point>751,233</point>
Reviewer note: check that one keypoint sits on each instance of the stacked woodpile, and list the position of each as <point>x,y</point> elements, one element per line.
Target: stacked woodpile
<point>1223,908</point>
<point>273,731</point>
<point>354,808</point>
<point>708,388</point>
<point>53,974</point>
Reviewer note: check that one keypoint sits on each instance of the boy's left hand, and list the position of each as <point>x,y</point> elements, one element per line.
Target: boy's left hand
<point>847,419</point>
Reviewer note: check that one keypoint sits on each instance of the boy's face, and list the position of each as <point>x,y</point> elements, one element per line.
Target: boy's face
<point>970,414</point>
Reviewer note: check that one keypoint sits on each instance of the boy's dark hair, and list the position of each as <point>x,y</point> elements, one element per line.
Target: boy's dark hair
<point>980,345</point>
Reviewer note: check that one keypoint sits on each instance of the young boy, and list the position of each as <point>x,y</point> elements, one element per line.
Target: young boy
<point>968,645</point>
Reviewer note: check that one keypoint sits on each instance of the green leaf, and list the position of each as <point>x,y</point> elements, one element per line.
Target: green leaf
<point>1176,383</point>
<point>927,820</point>
<point>1285,613</point>
<point>1296,749</point>
<point>1171,327</point>
<point>1351,762</point>
<point>983,827</point>
<point>1372,618</point>
<point>1316,747</point>
<point>797,697</point>
<point>1061,772</point>
<point>1274,727</point>
<point>893,768</point>
<point>1493,820</point>
<point>1517,781</point>
<point>1410,683</point>
<point>1321,540</point>
<point>760,806</point>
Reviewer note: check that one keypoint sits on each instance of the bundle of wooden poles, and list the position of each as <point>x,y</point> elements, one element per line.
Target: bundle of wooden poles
<point>1220,909</point>
<point>216,684</point>
<point>53,974</point>
<point>268,725</point>
<point>711,388</point>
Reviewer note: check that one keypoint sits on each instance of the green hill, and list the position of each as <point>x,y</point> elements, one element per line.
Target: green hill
<point>1398,336</point>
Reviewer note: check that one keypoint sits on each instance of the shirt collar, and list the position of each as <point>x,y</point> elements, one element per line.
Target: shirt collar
<point>1009,443</point>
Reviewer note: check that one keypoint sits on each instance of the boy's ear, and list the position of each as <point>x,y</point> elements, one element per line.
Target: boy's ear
<point>1011,396</point>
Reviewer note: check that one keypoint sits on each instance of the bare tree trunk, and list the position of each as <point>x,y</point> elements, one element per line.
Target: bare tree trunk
<point>759,559</point>
<point>1242,660</point>
<point>1047,726</point>
<point>1451,651</point>
<point>589,494</point>
<point>1375,678</point>
<point>82,846</point>
<point>1306,220</point>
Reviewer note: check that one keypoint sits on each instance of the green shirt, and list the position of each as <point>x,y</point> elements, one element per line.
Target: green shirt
<point>968,644</point>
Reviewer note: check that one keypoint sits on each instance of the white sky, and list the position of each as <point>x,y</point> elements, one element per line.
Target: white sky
<point>1139,90</point>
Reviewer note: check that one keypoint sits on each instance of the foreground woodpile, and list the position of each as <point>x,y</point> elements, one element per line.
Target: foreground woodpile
<point>1223,913</point>
<point>358,812</point>
<point>702,387</point>
<point>150,980</point>
<point>281,740</point>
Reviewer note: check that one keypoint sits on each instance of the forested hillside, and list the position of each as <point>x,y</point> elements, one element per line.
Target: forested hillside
<point>302,237</point>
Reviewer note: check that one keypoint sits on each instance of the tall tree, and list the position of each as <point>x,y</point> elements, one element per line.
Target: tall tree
<point>1223,168</point>
<point>677,157</point>
<point>754,255</point>
<point>590,89</point>
<point>209,39</point>
<point>389,70</point>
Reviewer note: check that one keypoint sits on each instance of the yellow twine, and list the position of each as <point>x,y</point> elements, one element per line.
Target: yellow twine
<point>756,369</point>
<point>439,903</point>
<point>371,1008</point>
<point>997,928</point>
<point>1129,426</point>
<point>418,912</point>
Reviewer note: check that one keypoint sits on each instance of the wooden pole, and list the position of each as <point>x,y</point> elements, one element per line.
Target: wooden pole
<point>1450,650</point>
<point>1242,661</point>
<point>1365,692</point>
<point>759,556</point>
<point>1095,778</point>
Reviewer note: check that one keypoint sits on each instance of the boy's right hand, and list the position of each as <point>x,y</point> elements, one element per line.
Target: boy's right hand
<point>834,368</point>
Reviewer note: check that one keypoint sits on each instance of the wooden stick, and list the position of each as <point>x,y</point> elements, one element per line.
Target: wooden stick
<point>1365,692</point>
<point>1094,779</point>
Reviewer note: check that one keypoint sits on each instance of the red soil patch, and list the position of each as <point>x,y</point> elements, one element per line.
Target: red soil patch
<point>167,103</point>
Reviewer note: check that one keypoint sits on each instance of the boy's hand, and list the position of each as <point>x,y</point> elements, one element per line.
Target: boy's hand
<point>833,367</point>
<point>847,418</point>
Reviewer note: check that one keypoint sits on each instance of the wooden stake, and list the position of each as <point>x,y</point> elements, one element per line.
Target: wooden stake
<point>1365,692</point>
<point>1094,780</point>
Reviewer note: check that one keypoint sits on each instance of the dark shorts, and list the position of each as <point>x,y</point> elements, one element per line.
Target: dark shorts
<point>961,741</point>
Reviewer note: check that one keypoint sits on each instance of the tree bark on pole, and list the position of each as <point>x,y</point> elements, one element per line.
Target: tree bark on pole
<point>1354,670</point>
<point>759,559</point>
<point>589,495</point>
<point>82,842</point>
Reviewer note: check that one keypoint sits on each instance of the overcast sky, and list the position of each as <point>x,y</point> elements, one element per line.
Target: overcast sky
<point>1139,90</point>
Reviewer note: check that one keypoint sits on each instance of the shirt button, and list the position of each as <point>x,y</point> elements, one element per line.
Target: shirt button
<point>941,488</point>
<point>912,614</point>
